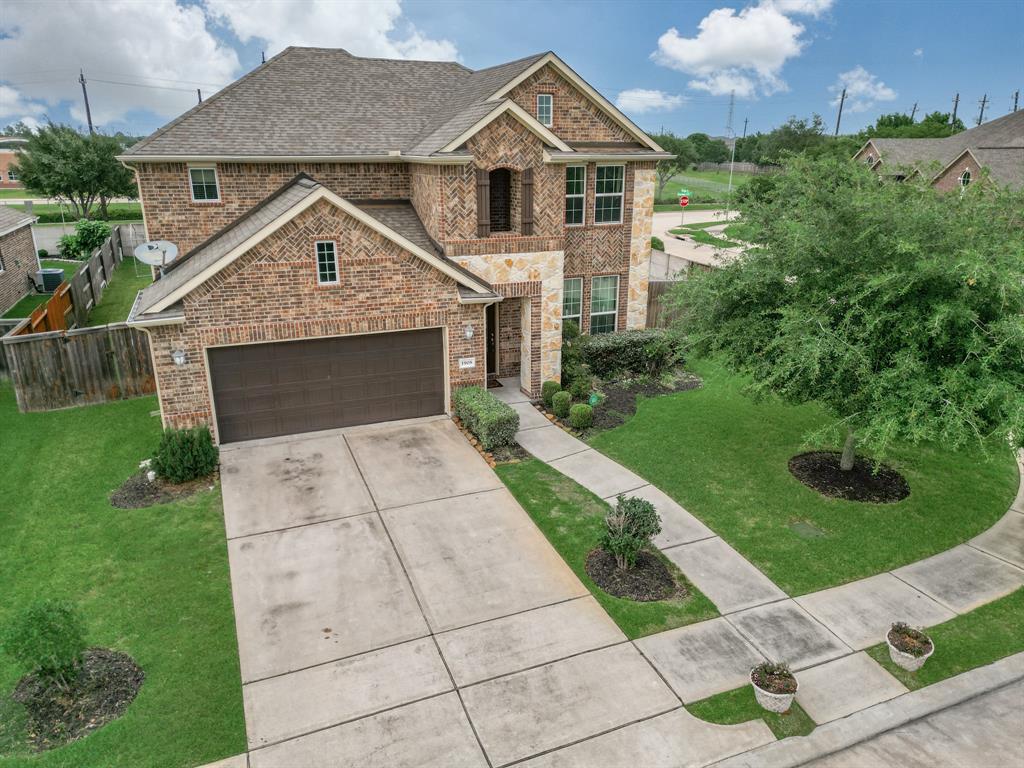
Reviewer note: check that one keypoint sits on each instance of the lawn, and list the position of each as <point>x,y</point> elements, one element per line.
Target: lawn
<point>130,276</point>
<point>739,706</point>
<point>16,194</point>
<point>151,582</point>
<point>674,207</point>
<point>50,213</point>
<point>26,304</point>
<point>725,458</point>
<point>704,185</point>
<point>974,639</point>
<point>69,267</point>
<point>572,519</point>
<point>698,235</point>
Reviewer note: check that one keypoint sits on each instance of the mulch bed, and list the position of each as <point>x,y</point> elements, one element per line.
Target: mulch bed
<point>107,683</point>
<point>620,398</point>
<point>648,581</point>
<point>138,491</point>
<point>820,470</point>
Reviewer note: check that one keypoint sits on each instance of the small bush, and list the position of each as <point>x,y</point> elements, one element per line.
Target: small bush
<point>580,387</point>
<point>91,234</point>
<point>548,390</point>
<point>47,638</point>
<point>570,330</point>
<point>581,416</point>
<point>560,404</point>
<point>185,454</point>
<point>628,529</point>
<point>635,353</point>
<point>43,253</point>
<point>69,247</point>
<point>493,422</point>
<point>657,244</point>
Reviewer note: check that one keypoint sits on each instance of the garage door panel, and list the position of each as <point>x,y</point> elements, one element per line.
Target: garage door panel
<point>262,390</point>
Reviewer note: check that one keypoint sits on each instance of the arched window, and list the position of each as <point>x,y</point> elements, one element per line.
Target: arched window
<point>965,178</point>
<point>501,199</point>
<point>869,160</point>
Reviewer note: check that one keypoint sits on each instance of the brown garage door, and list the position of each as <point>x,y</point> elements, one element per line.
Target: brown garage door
<point>262,390</point>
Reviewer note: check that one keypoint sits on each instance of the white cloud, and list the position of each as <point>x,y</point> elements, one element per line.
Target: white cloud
<point>807,7</point>
<point>863,90</point>
<point>14,107</point>
<point>919,52</point>
<point>641,100</point>
<point>365,29</point>
<point>157,42</point>
<point>736,51</point>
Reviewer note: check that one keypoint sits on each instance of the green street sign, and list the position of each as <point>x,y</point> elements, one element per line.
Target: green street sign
<point>684,193</point>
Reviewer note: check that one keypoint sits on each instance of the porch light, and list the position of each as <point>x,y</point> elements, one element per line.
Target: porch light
<point>469,331</point>
<point>179,356</point>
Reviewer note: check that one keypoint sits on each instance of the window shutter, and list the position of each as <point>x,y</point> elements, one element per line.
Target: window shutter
<point>483,203</point>
<point>527,201</point>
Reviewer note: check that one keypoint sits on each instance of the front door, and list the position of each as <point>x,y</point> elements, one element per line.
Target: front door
<point>492,341</point>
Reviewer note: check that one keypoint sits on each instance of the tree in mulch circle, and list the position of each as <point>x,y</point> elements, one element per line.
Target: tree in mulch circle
<point>69,690</point>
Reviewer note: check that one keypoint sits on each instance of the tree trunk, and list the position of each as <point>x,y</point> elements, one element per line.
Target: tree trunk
<point>849,452</point>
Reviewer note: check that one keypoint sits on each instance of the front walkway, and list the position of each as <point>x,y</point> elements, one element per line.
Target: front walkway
<point>395,606</point>
<point>821,635</point>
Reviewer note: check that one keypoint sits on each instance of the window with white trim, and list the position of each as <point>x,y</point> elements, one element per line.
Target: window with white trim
<point>326,262</point>
<point>545,105</point>
<point>572,301</point>
<point>965,178</point>
<point>608,186</point>
<point>203,182</point>
<point>604,303</point>
<point>575,194</point>
<point>12,176</point>
<point>869,160</point>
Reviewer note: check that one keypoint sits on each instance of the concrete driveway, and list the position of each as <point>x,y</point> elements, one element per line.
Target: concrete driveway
<point>395,606</point>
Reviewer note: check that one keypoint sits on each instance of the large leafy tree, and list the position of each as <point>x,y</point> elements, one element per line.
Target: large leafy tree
<point>935,125</point>
<point>685,156</point>
<point>899,308</point>
<point>60,162</point>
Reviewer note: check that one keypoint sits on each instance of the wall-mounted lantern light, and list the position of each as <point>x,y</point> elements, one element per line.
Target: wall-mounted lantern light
<point>469,331</point>
<point>179,356</point>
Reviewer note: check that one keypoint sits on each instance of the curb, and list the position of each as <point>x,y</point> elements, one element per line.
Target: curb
<point>887,716</point>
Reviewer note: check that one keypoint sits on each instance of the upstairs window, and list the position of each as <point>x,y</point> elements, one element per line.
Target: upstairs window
<point>326,262</point>
<point>544,108</point>
<point>501,200</point>
<point>869,160</point>
<point>575,193</point>
<point>608,194</point>
<point>204,185</point>
<point>965,178</point>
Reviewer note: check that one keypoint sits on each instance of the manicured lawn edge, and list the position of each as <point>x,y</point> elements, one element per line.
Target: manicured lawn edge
<point>25,305</point>
<point>571,518</point>
<point>130,277</point>
<point>740,706</point>
<point>971,640</point>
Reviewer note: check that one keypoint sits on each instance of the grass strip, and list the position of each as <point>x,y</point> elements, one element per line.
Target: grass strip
<point>740,706</point>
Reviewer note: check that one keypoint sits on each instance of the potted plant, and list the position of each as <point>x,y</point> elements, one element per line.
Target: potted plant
<point>909,648</point>
<point>774,686</point>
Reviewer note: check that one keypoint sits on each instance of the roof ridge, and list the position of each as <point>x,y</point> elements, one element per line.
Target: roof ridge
<point>513,61</point>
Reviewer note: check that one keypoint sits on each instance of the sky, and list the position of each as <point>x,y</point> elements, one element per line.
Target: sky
<point>668,65</point>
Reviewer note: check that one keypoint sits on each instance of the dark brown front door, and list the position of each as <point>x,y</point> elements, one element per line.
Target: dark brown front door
<point>263,390</point>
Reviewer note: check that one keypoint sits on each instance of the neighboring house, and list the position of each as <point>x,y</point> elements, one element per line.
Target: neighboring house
<point>956,161</point>
<point>8,157</point>
<point>406,227</point>
<point>18,258</point>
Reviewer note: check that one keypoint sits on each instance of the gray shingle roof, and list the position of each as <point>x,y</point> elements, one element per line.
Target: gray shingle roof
<point>11,217</point>
<point>326,102</point>
<point>1005,164</point>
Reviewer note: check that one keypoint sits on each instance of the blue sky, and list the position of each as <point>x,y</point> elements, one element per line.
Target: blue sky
<point>668,64</point>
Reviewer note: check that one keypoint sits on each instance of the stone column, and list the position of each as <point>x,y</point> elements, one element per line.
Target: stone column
<point>640,248</point>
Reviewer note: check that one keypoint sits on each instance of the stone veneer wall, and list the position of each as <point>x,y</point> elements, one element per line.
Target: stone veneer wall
<point>271,294</point>
<point>18,252</point>
<point>640,248</point>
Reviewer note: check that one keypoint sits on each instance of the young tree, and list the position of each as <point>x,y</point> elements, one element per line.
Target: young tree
<point>59,162</point>
<point>899,308</point>
<point>685,156</point>
<point>628,528</point>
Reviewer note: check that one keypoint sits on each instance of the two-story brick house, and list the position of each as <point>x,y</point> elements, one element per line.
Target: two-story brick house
<point>361,236</point>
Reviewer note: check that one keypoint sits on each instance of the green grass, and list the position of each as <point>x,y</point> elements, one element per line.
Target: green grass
<point>971,640</point>
<point>700,236</point>
<point>150,582</point>
<point>740,706</point>
<point>50,213</point>
<point>26,304</point>
<point>739,230</point>
<point>130,276</point>
<point>725,458</point>
<point>69,267</point>
<point>704,185</point>
<point>572,519</point>
<point>674,207</point>
<point>16,194</point>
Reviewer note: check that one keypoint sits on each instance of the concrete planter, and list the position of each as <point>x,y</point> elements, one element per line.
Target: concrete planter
<point>773,702</point>
<point>905,660</point>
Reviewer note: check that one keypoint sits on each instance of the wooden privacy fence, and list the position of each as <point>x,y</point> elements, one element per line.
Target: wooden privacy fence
<point>659,313</point>
<point>58,369</point>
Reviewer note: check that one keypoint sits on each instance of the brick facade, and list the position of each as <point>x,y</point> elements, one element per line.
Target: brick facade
<point>949,180</point>
<point>271,294</point>
<point>17,262</point>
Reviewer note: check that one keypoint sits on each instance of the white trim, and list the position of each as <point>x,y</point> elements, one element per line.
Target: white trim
<point>583,85</point>
<point>27,221</point>
<point>610,157</point>
<point>578,318</point>
<point>614,313</point>
<point>520,114</point>
<point>321,194</point>
<point>621,194</point>
<point>551,109</point>
<point>566,196</point>
<point>334,254</point>
<point>130,160</point>
<point>490,299</point>
<point>192,189</point>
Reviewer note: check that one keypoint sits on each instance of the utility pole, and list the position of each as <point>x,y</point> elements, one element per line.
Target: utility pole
<point>1016,98</point>
<point>913,112</point>
<point>745,119</point>
<point>85,95</point>
<point>263,57</point>
<point>199,93</point>
<point>732,158</point>
<point>981,114</point>
<point>956,103</point>
<point>842,100</point>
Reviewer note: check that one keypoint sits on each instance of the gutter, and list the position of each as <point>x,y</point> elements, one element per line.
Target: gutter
<point>28,220</point>
<point>396,157</point>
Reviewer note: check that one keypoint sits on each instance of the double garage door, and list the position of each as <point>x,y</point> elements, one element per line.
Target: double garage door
<point>263,390</point>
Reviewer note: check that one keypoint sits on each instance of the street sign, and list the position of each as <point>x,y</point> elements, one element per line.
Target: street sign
<point>683,201</point>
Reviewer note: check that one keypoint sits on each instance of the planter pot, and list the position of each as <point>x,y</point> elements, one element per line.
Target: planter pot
<point>773,702</point>
<point>907,661</point>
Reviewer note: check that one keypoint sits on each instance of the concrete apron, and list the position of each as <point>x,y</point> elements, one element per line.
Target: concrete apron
<point>395,606</point>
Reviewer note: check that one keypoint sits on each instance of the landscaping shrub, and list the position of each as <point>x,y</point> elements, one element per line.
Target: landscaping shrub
<point>560,404</point>
<point>580,387</point>
<point>628,529</point>
<point>657,244</point>
<point>650,351</point>
<point>91,234</point>
<point>185,454</point>
<point>581,416</point>
<point>570,330</point>
<point>548,390</point>
<point>43,253</point>
<point>47,638</point>
<point>69,247</point>
<point>493,422</point>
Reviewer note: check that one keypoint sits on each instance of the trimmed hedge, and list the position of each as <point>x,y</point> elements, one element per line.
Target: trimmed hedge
<point>650,351</point>
<point>548,390</point>
<point>493,422</point>
<point>581,416</point>
<point>560,404</point>
<point>185,454</point>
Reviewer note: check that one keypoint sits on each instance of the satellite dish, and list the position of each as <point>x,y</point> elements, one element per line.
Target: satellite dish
<point>157,253</point>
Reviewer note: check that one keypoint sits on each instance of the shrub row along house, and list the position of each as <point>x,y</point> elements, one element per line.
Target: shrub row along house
<point>995,147</point>
<point>362,236</point>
